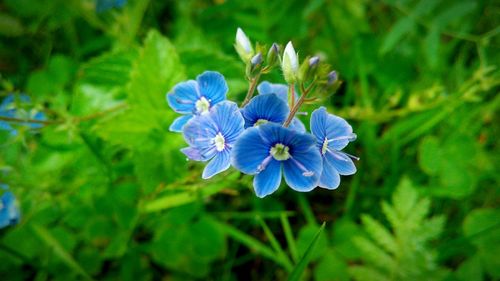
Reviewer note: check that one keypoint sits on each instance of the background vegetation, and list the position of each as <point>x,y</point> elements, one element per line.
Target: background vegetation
<point>105,193</point>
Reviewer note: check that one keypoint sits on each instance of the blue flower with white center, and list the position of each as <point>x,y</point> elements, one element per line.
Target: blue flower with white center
<point>281,90</point>
<point>15,107</point>
<point>212,136</point>
<point>332,135</point>
<point>194,98</point>
<point>265,108</point>
<point>267,150</point>
<point>9,208</point>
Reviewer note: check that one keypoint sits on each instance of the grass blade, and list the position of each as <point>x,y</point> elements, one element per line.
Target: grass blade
<point>304,260</point>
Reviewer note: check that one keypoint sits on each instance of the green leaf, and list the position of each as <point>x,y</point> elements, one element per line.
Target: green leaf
<point>482,228</point>
<point>306,257</point>
<point>431,43</point>
<point>380,234</point>
<point>363,273</point>
<point>396,34</point>
<point>155,71</point>
<point>331,267</point>
<point>59,250</point>
<point>430,155</point>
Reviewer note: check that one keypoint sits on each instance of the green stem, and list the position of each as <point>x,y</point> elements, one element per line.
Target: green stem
<point>251,89</point>
<point>62,121</point>
<point>297,106</point>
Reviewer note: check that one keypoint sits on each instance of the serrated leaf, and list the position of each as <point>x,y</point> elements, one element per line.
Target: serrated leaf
<point>59,250</point>
<point>379,234</point>
<point>363,273</point>
<point>374,254</point>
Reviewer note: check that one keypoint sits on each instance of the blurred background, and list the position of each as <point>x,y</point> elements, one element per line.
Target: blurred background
<point>105,194</point>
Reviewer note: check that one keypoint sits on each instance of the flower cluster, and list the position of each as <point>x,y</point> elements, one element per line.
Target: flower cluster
<point>9,208</point>
<point>264,137</point>
<point>19,107</point>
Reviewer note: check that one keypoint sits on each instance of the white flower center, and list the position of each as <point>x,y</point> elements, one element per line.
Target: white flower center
<point>324,148</point>
<point>220,142</point>
<point>280,152</point>
<point>260,122</point>
<point>202,105</point>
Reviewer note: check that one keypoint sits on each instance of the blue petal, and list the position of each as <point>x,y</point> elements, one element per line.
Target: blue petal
<point>5,126</point>
<point>324,125</point>
<point>330,178</point>
<point>229,121</point>
<point>249,151</point>
<point>341,162</point>
<point>200,131</point>
<point>183,97</point>
<point>303,170</point>
<point>219,163</point>
<point>268,181</point>
<point>9,213</point>
<point>266,107</point>
<point>179,122</point>
<point>37,116</point>
<point>281,90</point>
<point>297,125</point>
<point>273,133</point>
<point>212,86</point>
<point>198,154</point>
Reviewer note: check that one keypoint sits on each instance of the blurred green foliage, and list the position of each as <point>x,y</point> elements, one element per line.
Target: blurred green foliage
<point>106,194</point>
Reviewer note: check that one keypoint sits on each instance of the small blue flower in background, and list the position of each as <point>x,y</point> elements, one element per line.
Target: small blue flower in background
<point>332,135</point>
<point>212,136</point>
<point>13,106</point>
<point>104,5</point>
<point>266,150</point>
<point>265,108</point>
<point>281,90</point>
<point>194,98</point>
<point>9,208</point>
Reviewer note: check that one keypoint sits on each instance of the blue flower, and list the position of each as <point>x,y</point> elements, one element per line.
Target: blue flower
<point>281,90</point>
<point>194,98</point>
<point>266,150</point>
<point>9,208</point>
<point>14,107</point>
<point>104,5</point>
<point>265,108</point>
<point>212,136</point>
<point>332,135</point>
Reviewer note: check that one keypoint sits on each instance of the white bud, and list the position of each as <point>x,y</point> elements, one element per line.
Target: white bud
<point>290,63</point>
<point>243,45</point>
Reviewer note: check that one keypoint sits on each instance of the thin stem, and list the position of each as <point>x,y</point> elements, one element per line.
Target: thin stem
<point>62,121</point>
<point>297,106</point>
<point>292,95</point>
<point>251,89</point>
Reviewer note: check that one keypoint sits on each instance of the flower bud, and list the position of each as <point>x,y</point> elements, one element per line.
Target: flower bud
<point>243,46</point>
<point>256,60</point>
<point>332,77</point>
<point>273,54</point>
<point>290,64</point>
<point>313,62</point>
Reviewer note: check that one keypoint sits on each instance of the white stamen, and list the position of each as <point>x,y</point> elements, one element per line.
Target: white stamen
<point>280,152</point>
<point>202,106</point>
<point>220,142</point>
